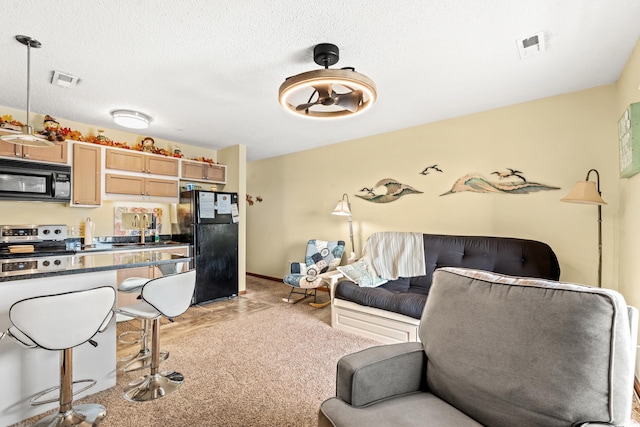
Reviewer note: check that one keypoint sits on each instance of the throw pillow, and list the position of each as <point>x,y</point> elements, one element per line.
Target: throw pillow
<point>362,273</point>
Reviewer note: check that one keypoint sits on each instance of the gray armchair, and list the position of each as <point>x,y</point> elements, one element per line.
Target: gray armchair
<point>497,351</point>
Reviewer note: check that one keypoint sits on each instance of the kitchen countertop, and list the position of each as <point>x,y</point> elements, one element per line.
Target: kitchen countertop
<point>88,261</point>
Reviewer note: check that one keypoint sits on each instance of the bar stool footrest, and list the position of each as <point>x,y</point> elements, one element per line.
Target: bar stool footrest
<point>34,400</point>
<point>87,415</point>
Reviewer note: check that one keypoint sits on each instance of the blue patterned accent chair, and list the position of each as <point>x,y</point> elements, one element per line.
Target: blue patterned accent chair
<point>321,257</point>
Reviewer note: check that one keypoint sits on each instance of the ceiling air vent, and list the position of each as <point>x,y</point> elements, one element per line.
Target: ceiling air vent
<point>532,45</point>
<point>63,79</point>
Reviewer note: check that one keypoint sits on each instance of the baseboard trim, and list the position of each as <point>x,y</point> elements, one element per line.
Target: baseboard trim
<point>276,279</point>
<point>261,276</point>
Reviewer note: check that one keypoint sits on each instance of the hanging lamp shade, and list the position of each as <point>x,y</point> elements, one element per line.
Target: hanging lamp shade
<point>26,137</point>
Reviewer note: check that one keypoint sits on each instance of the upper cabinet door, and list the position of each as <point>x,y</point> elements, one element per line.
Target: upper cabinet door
<point>159,165</point>
<point>125,160</point>
<point>56,153</point>
<point>87,175</point>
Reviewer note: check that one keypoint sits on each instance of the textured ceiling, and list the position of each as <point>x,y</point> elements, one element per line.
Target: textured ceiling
<point>208,72</point>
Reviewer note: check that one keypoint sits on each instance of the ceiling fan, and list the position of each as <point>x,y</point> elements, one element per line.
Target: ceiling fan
<point>334,92</point>
<point>26,137</point>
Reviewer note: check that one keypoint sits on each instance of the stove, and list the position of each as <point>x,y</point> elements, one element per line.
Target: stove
<point>11,266</point>
<point>47,241</point>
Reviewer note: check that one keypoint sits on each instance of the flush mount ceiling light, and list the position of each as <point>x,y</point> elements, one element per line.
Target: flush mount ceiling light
<point>131,119</point>
<point>327,93</point>
<point>26,137</point>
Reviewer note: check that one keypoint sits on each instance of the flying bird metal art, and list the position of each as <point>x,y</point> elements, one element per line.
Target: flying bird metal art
<point>430,168</point>
<point>512,172</point>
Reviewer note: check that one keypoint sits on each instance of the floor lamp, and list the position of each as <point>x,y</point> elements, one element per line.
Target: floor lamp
<point>343,208</point>
<point>588,192</point>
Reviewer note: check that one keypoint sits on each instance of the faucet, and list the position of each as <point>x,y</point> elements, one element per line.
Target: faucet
<point>140,224</point>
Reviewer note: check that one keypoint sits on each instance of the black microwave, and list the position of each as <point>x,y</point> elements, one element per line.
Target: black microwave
<point>26,180</point>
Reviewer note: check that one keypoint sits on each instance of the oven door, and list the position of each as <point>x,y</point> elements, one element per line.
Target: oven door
<point>34,181</point>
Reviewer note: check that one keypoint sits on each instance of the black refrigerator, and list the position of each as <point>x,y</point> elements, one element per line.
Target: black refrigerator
<point>207,220</point>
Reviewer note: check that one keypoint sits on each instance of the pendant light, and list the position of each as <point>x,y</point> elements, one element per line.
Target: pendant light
<point>26,137</point>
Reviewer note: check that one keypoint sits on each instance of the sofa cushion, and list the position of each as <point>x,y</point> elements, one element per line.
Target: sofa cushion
<point>406,410</point>
<point>407,303</point>
<point>541,350</point>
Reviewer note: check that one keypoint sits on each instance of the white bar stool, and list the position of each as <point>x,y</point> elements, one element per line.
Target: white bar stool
<point>142,358</point>
<point>168,296</point>
<point>59,323</point>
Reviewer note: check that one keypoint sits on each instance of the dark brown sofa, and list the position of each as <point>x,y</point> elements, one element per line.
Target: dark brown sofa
<point>375,312</point>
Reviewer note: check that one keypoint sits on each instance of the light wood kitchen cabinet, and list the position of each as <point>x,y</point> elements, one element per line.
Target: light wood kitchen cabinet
<point>139,185</point>
<point>203,171</point>
<point>55,154</point>
<point>87,175</point>
<point>132,161</point>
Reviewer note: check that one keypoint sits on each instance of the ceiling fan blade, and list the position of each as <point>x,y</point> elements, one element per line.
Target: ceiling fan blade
<point>324,91</point>
<point>350,101</point>
<point>306,106</point>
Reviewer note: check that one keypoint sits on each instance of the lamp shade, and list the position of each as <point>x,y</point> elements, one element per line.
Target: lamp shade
<point>585,192</point>
<point>131,119</point>
<point>343,208</point>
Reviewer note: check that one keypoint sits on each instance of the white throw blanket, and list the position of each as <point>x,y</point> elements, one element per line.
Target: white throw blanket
<point>396,254</point>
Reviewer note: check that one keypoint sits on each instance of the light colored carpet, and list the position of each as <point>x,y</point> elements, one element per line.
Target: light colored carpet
<point>272,367</point>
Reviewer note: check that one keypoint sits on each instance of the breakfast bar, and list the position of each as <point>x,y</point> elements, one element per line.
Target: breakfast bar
<point>26,372</point>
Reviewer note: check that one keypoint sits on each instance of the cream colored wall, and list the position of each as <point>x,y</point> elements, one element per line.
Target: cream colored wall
<point>629,188</point>
<point>554,141</point>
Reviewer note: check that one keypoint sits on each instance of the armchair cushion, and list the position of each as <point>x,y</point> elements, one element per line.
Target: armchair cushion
<point>380,372</point>
<point>414,409</point>
<point>321,256</point>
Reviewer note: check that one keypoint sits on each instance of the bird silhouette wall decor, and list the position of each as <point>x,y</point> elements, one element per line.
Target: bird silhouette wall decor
<point>432,168</point>
<point>386,190</point>
<point>511,181</point>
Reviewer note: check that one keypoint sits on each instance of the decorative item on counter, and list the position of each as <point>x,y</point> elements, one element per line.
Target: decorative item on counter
<point>177,152</point>
<point>101,136</point>
<point>52,130</point>
<point>120,230</point>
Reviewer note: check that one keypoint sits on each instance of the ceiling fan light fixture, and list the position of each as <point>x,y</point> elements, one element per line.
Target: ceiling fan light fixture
<point>27,137</point>
<point>131,119</point>
<point>327,93</point>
